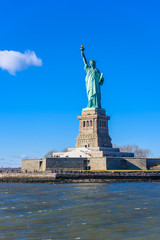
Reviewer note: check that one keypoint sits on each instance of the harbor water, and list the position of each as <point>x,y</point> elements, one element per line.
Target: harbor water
<point>80,211</point>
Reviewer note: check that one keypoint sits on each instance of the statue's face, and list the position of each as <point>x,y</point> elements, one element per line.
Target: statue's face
<point>93,63</point>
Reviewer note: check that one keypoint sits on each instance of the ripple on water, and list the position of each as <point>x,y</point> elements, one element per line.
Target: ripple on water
<point>73,211</point>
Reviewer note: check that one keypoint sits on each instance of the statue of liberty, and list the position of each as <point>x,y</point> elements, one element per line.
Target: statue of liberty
<point>93,81</point>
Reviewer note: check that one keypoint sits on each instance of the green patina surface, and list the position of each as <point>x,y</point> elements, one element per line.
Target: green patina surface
<point>94,79</point>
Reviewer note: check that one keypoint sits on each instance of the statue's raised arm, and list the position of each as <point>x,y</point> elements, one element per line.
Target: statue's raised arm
<point>83,55</point>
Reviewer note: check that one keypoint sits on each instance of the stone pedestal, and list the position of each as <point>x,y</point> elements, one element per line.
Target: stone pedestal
<point>93,129</point>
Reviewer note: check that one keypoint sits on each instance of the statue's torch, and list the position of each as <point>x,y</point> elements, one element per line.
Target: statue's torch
<point>82,48</point>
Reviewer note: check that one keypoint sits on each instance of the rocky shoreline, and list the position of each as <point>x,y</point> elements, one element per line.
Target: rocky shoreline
<point>27,177</point>
<point>78,178</point>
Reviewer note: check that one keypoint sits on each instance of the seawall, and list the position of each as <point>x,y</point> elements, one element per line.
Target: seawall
<point>79,177</point>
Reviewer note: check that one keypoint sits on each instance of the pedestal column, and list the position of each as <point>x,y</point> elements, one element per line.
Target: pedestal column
<point>93,129</point>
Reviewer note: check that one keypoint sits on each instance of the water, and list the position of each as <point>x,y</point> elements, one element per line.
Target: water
<point>80,211</point>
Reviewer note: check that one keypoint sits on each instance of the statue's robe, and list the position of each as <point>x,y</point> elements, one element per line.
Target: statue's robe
<point>93,86</point>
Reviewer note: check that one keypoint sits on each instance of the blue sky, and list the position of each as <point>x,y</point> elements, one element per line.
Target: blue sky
<point>39,105</point>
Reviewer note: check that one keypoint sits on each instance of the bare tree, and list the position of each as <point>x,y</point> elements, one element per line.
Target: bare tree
<point>65,150</point>
<point>138,152</point>
<point>50,153</point>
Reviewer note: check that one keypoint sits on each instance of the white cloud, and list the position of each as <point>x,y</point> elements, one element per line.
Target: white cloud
<point>13,61</point>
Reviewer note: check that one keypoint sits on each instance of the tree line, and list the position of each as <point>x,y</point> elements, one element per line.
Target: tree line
<point>138,152</point>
